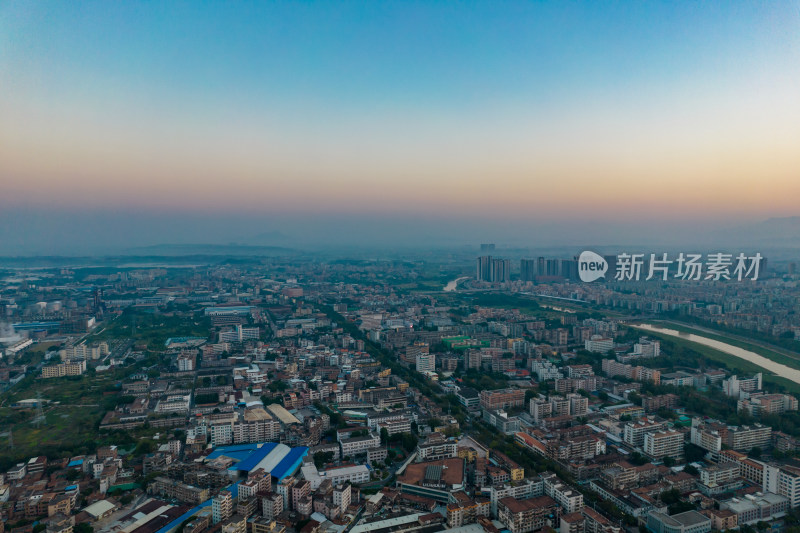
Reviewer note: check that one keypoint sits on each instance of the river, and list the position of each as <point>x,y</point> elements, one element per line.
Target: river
<point>453,285</point>
<point>776,368</point>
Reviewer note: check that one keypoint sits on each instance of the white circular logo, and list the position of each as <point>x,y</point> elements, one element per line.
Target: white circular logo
<point>591,266</point>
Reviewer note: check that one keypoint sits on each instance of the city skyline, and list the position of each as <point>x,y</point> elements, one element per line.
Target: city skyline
<point>533,114</point>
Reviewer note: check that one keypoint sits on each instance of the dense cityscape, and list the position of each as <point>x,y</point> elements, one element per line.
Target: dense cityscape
<point>285,394</point>
<point>399,266</point>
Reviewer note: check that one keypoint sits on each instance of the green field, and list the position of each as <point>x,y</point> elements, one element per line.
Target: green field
<point>152,329</point>
<point>503,300</point>
<point>78,390</point>
<point>63,426</point>
<point>75,408</point>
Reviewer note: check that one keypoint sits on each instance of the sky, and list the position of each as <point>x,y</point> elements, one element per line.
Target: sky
<point>135,123</point>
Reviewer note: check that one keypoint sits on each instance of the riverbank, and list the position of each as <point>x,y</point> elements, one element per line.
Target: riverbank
<point>733,356</point>
<point>775,353</point>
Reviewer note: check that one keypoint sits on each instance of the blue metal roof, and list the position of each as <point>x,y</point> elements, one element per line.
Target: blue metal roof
<point>249,455</point>
<point>237,456</point>
<point>290,463</point>
<point>255,457</point>
<point>239,452</point>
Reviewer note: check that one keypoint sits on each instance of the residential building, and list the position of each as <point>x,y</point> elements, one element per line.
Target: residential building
<point>341,497</point>
<point>570,500</point>
<point>469,398</point>
<point>735,387</point>
<point>599,344</point>
<point>500,420</point>
<point>533,514</point>
<point>67,368</point>
<point>785,481</point>
<point>356,445</point>
<point>271,505</point>
<point>634,432</point>
<point>174,489</point>
<point>706,435</point>
<point>436,447</point>
<point>426,362</point>
<point>572,523</point>
<point>221,506</point>
<point>466,510</point>
<point>745,438</point>
<point>767,404</point>
<point>663,443</point>
<point>502,399</point>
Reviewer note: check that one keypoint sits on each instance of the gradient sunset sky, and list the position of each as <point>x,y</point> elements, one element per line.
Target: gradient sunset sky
<point>514,112</point>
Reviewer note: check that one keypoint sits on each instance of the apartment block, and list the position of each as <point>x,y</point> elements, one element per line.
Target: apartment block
<point>664,443</point>
<point>533,514</point>
<point>502,399</point>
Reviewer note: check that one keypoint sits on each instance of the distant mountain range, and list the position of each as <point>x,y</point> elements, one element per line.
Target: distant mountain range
<point>270,238</point>
<point>57,241</point>
<point>211,249</point>
<point>778,232</point>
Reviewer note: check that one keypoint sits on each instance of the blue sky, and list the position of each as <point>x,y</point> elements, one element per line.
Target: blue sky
<point>383,53</point>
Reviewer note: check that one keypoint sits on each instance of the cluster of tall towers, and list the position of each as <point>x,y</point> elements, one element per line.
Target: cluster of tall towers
<point>531,269</point>
<point>496,270</point>
<point>493,270</point>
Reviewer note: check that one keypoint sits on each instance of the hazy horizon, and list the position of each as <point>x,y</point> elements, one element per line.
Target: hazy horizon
<point>87,233</point>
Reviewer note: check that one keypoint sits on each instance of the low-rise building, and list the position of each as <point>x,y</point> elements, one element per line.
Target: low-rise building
<point>436,447</point>
<point>687,522</point>
<point>759,507</point>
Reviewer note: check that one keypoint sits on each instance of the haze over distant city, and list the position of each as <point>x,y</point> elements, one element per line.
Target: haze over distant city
<point>134,124</point>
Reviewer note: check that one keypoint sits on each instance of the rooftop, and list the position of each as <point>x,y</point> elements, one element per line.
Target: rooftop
<point>452,472</point>
<point>520,506</point>
<point>283,415</point>
<point>100,508</point>
<point>685,519</point>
